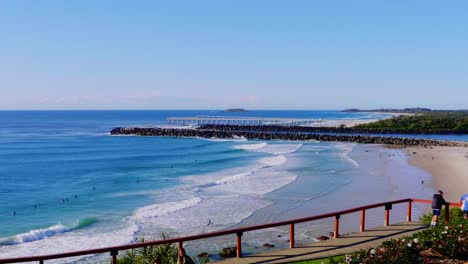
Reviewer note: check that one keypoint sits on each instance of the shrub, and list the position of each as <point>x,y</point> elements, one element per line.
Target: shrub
<point>161,254</point>
<point>445,241</point>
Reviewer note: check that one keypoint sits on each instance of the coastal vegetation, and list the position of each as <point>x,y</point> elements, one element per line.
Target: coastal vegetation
<point>161,254</point>
<point>412,110</point>
<point>434,122</point>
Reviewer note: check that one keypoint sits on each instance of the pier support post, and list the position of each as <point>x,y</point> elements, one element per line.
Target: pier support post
<point>291,236</point>
<point>239,245</point>
<point>362,227</point>
<point>337,226</point>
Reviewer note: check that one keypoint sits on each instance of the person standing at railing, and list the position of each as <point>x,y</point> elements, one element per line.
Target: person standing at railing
<point>437,202</point>
<point>464,205</point>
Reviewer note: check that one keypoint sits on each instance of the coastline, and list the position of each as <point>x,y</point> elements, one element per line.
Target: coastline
<point>448,166</point>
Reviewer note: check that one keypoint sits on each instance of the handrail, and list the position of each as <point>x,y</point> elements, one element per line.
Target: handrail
<point>238,231</point>
<point>430,201</point>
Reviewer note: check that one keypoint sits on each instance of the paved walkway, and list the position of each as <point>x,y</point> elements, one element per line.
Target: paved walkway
<point>332,247</point>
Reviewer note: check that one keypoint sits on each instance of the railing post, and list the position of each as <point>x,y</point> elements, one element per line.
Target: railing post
<point>291,235</point>
<point>239,245</point>
<point>180,245</point>
<point>447,213</point>
<point>388,207</point>
<point>363,221</point>
<point>408,216</point>
<point>41,261</point>
<point>337,226</point>
<point>114,254</point>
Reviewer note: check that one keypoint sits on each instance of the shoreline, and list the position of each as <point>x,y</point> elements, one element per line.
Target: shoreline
<point>447,165</point>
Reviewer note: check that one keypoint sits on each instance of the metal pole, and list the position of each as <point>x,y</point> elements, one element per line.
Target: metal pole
<point>291,235</point>
<point>363,220</point>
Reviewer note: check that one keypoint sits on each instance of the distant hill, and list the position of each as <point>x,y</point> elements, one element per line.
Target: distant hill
<point>235,110</point>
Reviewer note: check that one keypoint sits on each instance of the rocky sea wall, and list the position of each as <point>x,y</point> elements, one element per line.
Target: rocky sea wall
<point>347,130</point>
<point>280,135</point>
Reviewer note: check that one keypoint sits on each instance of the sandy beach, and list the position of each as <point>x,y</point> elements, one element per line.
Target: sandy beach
<point>448,166</point>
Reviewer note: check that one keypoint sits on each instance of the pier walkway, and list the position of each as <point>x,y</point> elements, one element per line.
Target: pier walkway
<point>232,120</point>
<point>345,244</point>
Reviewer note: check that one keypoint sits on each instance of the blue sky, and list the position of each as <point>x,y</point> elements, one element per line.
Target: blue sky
<point>221,54</point>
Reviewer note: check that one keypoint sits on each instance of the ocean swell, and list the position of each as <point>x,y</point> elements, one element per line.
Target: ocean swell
<point>42,233</point>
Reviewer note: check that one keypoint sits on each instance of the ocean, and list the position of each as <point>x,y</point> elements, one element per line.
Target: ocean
<point>67,185</point>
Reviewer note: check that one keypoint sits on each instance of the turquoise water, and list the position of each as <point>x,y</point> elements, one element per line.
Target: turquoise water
<point>64,179</point>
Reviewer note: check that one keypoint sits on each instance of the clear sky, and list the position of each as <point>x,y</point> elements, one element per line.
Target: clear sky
<point>217,54</point>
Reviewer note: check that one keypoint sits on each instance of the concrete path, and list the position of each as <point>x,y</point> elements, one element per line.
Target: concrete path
<point>345,244</point>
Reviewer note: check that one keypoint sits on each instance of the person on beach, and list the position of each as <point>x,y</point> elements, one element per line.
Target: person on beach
<point>437,202</point>
<point>464,205</point>
<point>182,258</point>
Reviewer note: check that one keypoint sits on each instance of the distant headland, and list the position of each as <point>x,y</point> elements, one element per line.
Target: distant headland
<point>235,110</point>
<point>411,110</point>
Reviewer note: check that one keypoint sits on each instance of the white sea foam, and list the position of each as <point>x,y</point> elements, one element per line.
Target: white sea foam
<point>274,161</point>
<point>158,210</point>
<point>212,213</point>
<point>260,183</point>
<point>234,139</point>
<point>251,146</point>
<point>275,149</point>
<point>280,149</point>
<point>347,148</point>
<point>235,177</point>
<point>73,241</point>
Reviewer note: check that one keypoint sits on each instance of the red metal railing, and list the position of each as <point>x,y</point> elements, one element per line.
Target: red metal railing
<point>239,232</point>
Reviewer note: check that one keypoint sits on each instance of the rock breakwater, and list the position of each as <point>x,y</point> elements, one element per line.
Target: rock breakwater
<point>280,135</point>
<point>346,130</point>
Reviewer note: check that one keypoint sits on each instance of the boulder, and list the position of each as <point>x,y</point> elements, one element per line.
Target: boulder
<point>322,238</point>
<point>229,252</point>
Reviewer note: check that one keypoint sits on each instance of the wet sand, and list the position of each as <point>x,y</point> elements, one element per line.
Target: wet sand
<point>448,166</point>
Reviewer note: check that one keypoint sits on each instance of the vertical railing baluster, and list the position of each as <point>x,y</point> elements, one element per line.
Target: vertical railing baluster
<point>291,235</point>
<point>408,215</point>
<point>388,207</point>
<point>337,226</point>
<point>363,221</point>
<point>180,245</point>
<point>114,254</point>
<point>239,244</point>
